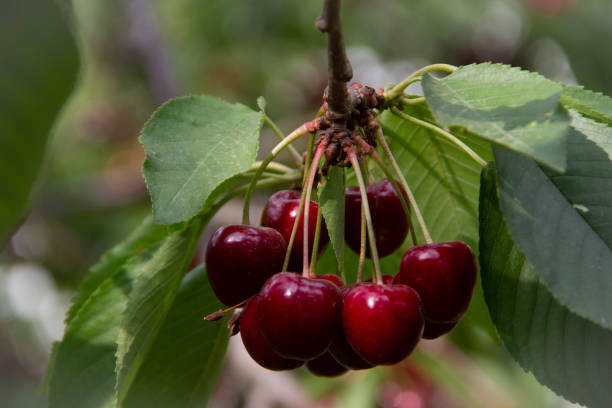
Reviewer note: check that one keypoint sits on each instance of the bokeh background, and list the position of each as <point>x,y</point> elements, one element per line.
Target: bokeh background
<point>135,54</point>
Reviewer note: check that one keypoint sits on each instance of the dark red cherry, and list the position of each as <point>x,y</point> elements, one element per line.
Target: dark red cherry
<point>240,258</point>
<point>382,323</point>
<point>434,330</point>
<point>444,275</point>
<point>299,317</point>
<point>325,366</point>
<point>387,279</point>
<point>388,217</point>
<point>340,348</point>
<point>335,279</point>
<point>280,213</point>
<point>256,345</point>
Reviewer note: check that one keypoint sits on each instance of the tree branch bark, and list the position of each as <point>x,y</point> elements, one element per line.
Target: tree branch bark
<point>339,66</point>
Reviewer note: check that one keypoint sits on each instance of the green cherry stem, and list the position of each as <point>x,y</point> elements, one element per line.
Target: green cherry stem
<point>315,244</point>
<point>447,135</point>
<point>398,89</point>
<point>297,158</point>
<point>300,207</point>
<point>362,232</point>
<point>366,211</point>
<point>312,171</point>
<point>398,190</point>
<point>306,128</point>
<point>417,212</point>
<point>272,167</point>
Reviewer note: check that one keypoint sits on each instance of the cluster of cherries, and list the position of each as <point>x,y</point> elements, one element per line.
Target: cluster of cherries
<point>289,320</point>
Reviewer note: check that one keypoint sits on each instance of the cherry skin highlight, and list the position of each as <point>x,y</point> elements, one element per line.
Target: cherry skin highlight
<point>382,323</point>
<point>256,345</point>
<point>444,275</point>
<point>240,258</point>
<point>325,366</point>
<point>388,217</point>
<point>340,348</point>
<point>299,317</point>
<point>280,213</point>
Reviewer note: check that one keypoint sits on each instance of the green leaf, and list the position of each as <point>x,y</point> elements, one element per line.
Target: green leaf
<point>331,200</point>
<point>591,104</point>
<point>39,68</point>
<point>445,182</point>
<point>83,370</point>
<point>193,144</point>
<point>516,109</point>
<point>563,222</point>
<point>569,354</point>
<point>153,293</point>
<point>145,236</point>
<point>186,358</point>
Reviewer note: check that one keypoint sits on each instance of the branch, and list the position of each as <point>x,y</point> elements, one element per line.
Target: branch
<point>339,67</point>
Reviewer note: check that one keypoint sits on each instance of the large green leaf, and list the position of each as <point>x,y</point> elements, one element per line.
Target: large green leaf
<point>445,181</point>
<point>83,369</point>
<point>516,109</point>
<point>331,200</point>
<point>588,103</point>
<point>39,68</point>
<point>146,235</point>
<point>193,144</point>
<point>563,222</point>
<point>153,293</point>
<point>183,363</point>
<point>569,354</point>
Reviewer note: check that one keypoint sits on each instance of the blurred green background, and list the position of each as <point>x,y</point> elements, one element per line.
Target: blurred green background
<point>135,54</point>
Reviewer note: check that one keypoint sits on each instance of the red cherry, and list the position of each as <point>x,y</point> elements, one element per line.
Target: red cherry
<point>280,213</point>
<point>240,258</point>
<point>335,279</point>
<point>444,275</point>
<point>256,345</point>
<point>387,279</point>
<point>340,348</point>
<point>382,323</point>
<point>434,330</point>
<point>388,217</point>
<point>325,366</point>
<point>299,317</point>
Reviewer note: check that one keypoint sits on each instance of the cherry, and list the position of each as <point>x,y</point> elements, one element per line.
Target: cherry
<point>335,279</point>
<point>387,279</point>
<point>325,366</point>
<point>299,317</point>
<point>280,213</point>
<point>340,348</point>
<point>382,323</point>
<point>388,217</point>
<point>240,258</point>
<point>444,275</point>
<point>256,345</point>
<point>434,330</point>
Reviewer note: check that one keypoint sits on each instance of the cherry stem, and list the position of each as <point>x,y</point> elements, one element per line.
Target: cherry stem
<point>300,207</point>
<point>417,212</point>
<point>398,89</point>
<point>296,134</point>
<point>452,138</point>
<point>273,167</point>
<point>312,171</point>
<point>362,232</point>
<point>221,312</point>
<point>315,244</point>
<point>398,190</point>
<point>297,158</point>
<point>366,211</point>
